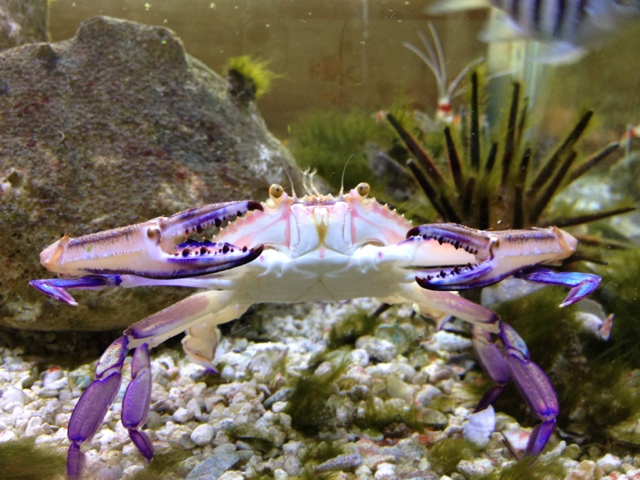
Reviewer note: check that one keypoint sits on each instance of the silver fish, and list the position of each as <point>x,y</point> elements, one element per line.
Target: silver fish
<point>569,28</point>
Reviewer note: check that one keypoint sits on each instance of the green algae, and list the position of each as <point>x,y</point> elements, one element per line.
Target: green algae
<point>249,79</point>
<point>445,455</point>
<point>526,469</point>
<point>309,402</point>
<point>22,460</point>
<point>325,141</point>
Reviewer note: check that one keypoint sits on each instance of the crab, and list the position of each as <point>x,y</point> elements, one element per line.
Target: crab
<point>290,249</point>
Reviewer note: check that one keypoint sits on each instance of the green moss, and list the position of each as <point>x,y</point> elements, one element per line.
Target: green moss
<point>526,469</point>
<point>22,460</point>
<point>445,455</point>
<point>325,141</point>
<point>619,292</point>
<point>308,403</point>
<point>379,414</point>
<point>322,451</point>
<point>248,78</point>
<point>348,329</point>
<point>547,329</point>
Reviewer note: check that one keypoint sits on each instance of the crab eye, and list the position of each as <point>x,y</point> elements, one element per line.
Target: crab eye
<point>275,191</point>
<point>153,232</point>
<point>363,189</point>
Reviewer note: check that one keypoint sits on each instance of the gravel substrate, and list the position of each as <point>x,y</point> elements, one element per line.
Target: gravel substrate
<point>380,405</point>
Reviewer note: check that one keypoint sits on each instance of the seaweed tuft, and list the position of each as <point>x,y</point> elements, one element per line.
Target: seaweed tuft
<point>248,79</point>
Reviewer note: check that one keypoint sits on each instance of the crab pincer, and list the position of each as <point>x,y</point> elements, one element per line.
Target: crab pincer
<point>156,249</point>
<point>505,253</point>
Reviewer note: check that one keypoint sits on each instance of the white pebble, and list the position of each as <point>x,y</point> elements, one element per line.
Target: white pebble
<point>475,468</point>
<point>278,407</point>
<point>359,357</point>
<point>480,426</point>
<point>609,463</point>
<point>182,415</point>
<point>446,341</point>
<point>16,395</point>
<point>34,427</point>
<point>385,470</point>
<point>202,434</point>
<point>7,436</point>
<point>279,474</point>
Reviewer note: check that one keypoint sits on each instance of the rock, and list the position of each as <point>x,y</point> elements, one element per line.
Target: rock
<point>202,434</point>
<point>214,466</point>
<point>378,349</point>
<point>23,21</point>
<point>479,468</point>
<point>609,463</point>
<point>182,415</point>
<point>342,462</point>
<point>115,126</point>
<point>480,426</point>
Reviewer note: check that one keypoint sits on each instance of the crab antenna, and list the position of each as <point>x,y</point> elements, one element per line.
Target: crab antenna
<point>305,175</point>
<point>293,190</point>
<point>314,190</point>
<point>344,170</point>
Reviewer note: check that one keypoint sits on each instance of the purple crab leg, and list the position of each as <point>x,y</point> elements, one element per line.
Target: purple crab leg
<point>94,403</point>
<point>153,249</point>
<point>135,405</point>
<point>55,287</point>
<point>582,284</point>
<point>503,363</point>
<point>515,364</point>
<point>198,218</point>
<point>198,315</point>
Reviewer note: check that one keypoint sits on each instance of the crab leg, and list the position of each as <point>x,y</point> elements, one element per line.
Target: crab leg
<point>198,314</point>
<point>512,362</point>
<point>515,364</point>
<point>582,284</point>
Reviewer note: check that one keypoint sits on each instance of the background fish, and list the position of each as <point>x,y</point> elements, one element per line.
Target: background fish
<point>569,28</point>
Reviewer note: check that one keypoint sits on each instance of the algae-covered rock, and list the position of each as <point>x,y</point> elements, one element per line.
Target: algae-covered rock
<point>115,126</point>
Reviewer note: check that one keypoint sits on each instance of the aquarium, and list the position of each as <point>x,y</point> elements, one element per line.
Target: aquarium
<point>359,239</point>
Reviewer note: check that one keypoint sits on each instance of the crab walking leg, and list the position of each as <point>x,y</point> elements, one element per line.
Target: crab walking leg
<point>135,404</point>
<point>515,364</point>
<point>198,315</point>
<point>512,364</point>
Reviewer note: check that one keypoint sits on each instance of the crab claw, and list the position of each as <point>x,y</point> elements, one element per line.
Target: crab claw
<point>498,254</point>
<point>156,249</point>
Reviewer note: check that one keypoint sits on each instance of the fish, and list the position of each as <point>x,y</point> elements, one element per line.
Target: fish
<point>568,29</point>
